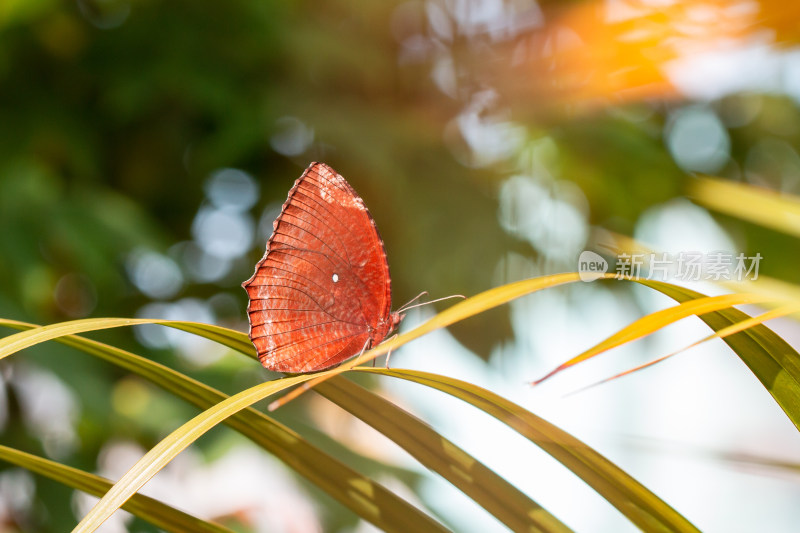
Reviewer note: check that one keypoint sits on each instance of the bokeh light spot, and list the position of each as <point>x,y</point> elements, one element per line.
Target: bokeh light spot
<point>200,266</point>
<point>551,217</point>
<point>155,275</point>
<point>75,295</point>
<point>130,397</point>
<point>232,189</point>
<point>221,233</point>
<point>49,409</point>
<point>697,140</point>
<point>292,137</point>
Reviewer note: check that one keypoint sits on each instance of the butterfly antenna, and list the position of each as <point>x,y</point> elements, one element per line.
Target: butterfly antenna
<point>414,299</point>
<point>407,306</point>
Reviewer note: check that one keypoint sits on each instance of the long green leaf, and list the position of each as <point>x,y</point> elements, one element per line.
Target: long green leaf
<point>773,361</point>
<point>368,499</point>
<point>770,209</point>
<point>631,498</point>
<point>31,337</point>
<point>484,486</point>
<point>153,511</point>
<point>656,321</point>
<point>782,311</point>
<point>174,443</point>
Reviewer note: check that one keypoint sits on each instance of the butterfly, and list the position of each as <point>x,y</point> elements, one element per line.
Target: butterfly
<point>322,292</point>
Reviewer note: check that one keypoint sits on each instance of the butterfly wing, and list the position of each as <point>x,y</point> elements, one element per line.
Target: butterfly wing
<point>322,291</point>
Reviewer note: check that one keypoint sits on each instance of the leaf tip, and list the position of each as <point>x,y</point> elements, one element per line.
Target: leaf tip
<point>548,375</point>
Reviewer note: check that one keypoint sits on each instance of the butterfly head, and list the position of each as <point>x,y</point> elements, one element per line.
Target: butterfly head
<point>394,320</point>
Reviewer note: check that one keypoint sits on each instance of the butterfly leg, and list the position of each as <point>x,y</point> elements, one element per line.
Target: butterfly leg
<point>364,349</point>
<point>389,353</point>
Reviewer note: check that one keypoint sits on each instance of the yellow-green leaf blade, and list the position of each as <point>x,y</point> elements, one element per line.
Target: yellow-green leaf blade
<point>761,206</point>
<point>161,454</point>
<point>773,361</point>
<point>656,321</point>
<point>631,498</point>
<point>153,511</point>
<point>485,487</point>
<point>720,334</point>
<point>25,339</point>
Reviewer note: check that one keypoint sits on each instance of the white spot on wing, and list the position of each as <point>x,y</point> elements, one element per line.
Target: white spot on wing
<point>335,277</point>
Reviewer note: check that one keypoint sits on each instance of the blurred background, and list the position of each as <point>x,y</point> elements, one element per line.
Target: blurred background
<point>146,147</point>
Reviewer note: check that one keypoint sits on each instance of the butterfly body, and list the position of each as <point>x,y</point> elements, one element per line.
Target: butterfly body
<point>322,291</point>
